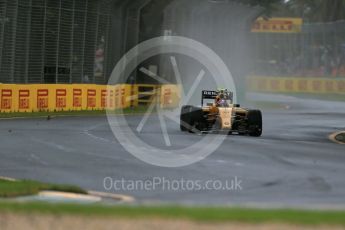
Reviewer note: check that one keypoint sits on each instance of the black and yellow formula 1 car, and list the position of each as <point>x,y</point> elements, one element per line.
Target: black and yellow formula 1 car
<point>220,116</point>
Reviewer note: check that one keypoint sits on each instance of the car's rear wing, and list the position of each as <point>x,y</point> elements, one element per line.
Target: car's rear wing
<point>209,94</point>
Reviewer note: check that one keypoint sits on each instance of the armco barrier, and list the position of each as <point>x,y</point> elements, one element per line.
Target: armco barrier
<point>296,85</point>
<point>146,93</point>
<point>168,96</point>
<point>74,97</point>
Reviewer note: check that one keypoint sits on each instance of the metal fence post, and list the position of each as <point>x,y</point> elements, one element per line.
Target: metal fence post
<point>72,43</point>
<point>44,41</point>
<point>2,35</point>
<point>26,77</point>
<point>14,36</point>
<point>58,45</point>
<point>83,42</point>
<point>96,41</point>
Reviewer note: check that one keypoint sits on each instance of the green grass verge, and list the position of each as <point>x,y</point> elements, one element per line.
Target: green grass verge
<point>266,105</point>
<point>192,213</point>
<point>321,96</point>
<point>209,214</point>
<point>28,187</point>
<point>129,111</point>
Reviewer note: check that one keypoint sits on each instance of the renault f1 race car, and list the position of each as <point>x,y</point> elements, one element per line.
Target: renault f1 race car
<point>221,115</point>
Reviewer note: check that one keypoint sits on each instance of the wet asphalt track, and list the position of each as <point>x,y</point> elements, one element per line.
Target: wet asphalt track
<point>292,164</point>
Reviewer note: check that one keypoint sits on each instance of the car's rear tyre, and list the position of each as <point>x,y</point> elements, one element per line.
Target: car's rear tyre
<point>196,120</point>
<point>185,118</point>
<point>191,119</point>
<point>254,123</point>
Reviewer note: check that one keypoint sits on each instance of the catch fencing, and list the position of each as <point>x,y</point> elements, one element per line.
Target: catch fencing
<point>55,41</point>
<point>318,50</point>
